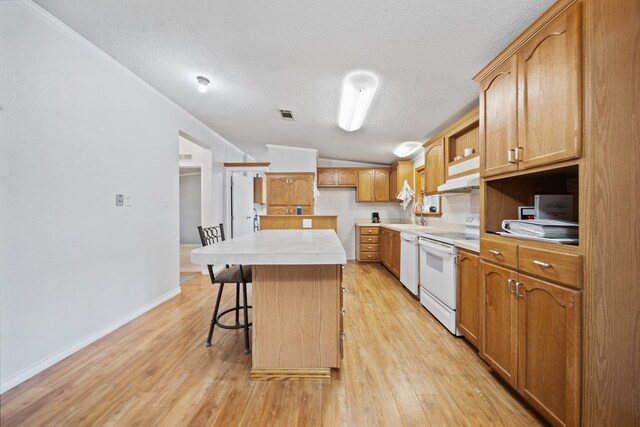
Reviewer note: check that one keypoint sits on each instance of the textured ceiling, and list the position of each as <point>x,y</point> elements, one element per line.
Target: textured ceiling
<point>263,56</point>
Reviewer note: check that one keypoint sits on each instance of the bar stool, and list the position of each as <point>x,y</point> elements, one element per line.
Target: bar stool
<point>231,274</point>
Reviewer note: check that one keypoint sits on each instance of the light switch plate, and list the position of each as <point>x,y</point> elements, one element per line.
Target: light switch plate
<point>307,223</point>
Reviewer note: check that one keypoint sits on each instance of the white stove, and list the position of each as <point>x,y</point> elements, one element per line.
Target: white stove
<point>438,272</point>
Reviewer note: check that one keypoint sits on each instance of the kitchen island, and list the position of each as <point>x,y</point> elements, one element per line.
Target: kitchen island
<point>297,299</point>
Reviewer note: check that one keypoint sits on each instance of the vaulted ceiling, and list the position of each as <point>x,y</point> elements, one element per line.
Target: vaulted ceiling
<point>287,54</point>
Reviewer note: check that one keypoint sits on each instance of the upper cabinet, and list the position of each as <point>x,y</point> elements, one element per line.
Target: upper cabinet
<point>498,119</point>
<point>286,191</point>
<point>434,165</point>
<point>400,172</point>
<point>530,99</point>
<point>549,88</point>
<point>373,185</point>
<point>337,177</point>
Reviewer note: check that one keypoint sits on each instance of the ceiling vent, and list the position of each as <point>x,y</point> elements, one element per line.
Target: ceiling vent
<point>286,114</point>
<point>185,156</point>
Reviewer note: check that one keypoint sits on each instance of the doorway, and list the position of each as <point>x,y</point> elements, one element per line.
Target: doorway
<point>190,215</point>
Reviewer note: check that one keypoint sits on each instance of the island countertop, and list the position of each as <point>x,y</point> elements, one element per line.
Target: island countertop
<point>275,247</point>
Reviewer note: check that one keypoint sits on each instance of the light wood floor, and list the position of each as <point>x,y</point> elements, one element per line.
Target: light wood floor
<point>400,367</point>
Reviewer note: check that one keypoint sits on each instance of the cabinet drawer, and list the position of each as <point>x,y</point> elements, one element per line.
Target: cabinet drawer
<point>558,267</point>
<point>365,231</point>
<point>370,256</point>
<point>499,252</point>
<point>369,247</point>
<point>369,239</point>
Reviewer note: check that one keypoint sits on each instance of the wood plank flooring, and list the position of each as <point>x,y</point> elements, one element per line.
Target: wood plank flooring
<point>400,367</point>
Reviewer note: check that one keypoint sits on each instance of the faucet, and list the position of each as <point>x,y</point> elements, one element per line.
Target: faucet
<point>421,212</point>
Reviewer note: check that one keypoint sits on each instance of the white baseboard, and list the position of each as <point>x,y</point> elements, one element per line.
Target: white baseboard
<point>50,361</point>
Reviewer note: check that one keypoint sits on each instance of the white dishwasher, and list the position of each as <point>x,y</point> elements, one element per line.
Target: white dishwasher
<point>409,253</point>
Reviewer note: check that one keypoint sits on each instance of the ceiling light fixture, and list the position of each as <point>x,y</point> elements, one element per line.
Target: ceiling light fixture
<point>357,92</point>
<point>203,82</point>
<point>407,148</point>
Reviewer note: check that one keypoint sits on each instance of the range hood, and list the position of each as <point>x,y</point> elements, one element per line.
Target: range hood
<point>464,184</point>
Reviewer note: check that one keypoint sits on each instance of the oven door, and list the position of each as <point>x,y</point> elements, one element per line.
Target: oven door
<point>438,271</point>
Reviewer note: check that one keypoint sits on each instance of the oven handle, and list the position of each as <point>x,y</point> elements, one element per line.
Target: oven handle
<point>440,247</point>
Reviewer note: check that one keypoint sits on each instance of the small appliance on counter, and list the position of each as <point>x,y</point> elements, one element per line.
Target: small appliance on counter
<point>375,218</point>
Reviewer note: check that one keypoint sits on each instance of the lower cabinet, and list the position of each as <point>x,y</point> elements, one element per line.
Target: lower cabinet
<point>390,250</point>
<point>530,335</point>
<point>468,296</point>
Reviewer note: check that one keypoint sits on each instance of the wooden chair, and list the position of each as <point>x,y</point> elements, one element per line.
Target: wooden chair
<point>237,274</point>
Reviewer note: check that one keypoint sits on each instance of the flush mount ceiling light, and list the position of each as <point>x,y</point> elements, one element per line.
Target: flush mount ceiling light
<point>203,82</point>
<point>357,92</point>
<point>407,148</point>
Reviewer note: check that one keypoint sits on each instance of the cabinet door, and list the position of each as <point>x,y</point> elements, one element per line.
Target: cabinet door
<point>385,247</point>
<point>549,88</point>
<point>278,190</point>
<point>434,166</point>
<point>328,177</point>
<point>301,190</point>
<point>365,186</point>
<point>498,119</point>
<point>381,186</point>
<point>395,253</point>
<point>468,312</point>
<point>549,349</point>
<point>393,182</point>
<point>499,326</point>
<point>347,177</point>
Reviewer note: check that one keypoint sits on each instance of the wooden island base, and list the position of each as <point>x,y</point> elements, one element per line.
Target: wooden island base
<point>297,321</point>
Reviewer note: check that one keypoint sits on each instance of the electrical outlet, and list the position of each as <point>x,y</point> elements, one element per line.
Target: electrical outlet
<point>307,223</point>
<point>127,200</point>
<point>119,199</point>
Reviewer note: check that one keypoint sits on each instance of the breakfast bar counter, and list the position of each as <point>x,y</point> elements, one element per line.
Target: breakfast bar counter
<point>297,299</point>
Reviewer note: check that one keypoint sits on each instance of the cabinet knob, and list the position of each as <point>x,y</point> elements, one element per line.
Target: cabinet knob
<point>343,312</point>
<point>343,337</point>
<point>344,290</point>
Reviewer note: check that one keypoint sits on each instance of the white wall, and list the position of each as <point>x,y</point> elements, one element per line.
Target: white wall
<point>76,128</point>
<point>292,159</point>
<point>190,208</point>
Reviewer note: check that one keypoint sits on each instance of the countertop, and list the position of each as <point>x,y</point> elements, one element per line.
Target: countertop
<point>275,247</point>
<point>416,230</point>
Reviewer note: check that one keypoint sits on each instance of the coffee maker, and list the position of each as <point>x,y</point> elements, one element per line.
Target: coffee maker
<point>375,218</point>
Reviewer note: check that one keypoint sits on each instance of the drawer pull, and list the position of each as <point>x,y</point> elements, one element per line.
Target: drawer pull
<point>368,256</point>
<point>370,240</point>
<point>494,252</point>
<point>343,312</point>
<point>370,231</point>
<point>541,264</point>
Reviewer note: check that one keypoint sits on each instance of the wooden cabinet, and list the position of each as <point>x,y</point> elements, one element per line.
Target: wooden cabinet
<point>337,177</point>
<point>498,119</point>
<point>499,315</point>
<point>434,165</point>
<point>373,185</point>
<point>390,250</point>
<point>549,349</point>
<point>530,99</point>
<point>398,173</point>
<point>368,243</point>
<point>468,296</point>
<point>286,191</point>
<point>259,190</point>
<point>549,88</point>
<point>530,335</point>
